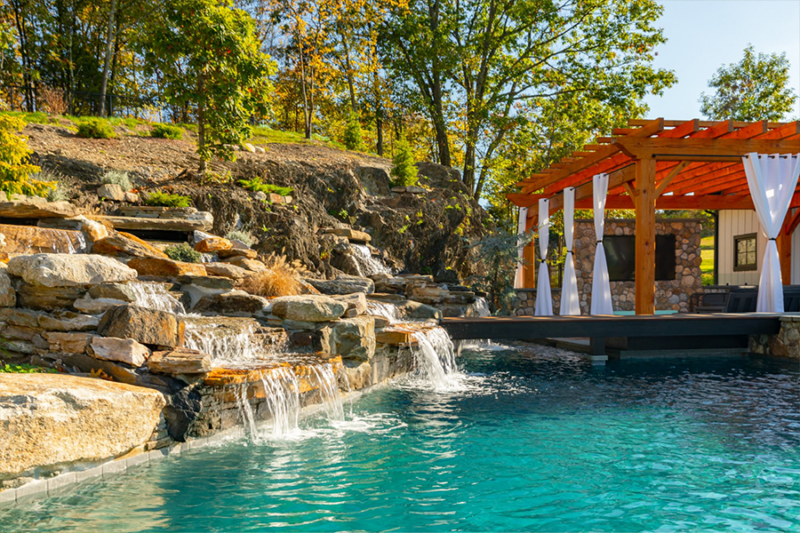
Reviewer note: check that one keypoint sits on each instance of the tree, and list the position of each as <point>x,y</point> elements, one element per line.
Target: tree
<point>352,133</point>
<point>209,58</point>
<point>107,64</point>
<point>403,168</point>
<point>496,57</point>
<point>755,88</point>
<point>15,170</point>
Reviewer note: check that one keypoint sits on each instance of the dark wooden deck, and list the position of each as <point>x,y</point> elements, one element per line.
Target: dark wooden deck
<point>659,332</point>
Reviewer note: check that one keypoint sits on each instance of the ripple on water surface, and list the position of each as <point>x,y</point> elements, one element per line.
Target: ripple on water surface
<point>527,442</point>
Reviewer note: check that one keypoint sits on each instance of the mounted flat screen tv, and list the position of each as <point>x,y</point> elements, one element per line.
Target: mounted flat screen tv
<point>621,257</point>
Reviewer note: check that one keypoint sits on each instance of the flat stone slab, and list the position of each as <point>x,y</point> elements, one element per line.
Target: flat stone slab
<point>37,208</point>
<point>163,224</point>
<point>35,240</point>
<point>349,234</point>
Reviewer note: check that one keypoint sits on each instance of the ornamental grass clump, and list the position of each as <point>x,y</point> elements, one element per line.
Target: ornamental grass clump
<point>280,279</point>
<point>115,177</point>
<point>241,236</point>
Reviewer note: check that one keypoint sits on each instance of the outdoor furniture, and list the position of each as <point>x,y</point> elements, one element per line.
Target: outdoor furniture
<point>742,300</point>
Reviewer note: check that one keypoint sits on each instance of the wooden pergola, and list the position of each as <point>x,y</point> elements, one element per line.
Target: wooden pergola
<point>664,164</point>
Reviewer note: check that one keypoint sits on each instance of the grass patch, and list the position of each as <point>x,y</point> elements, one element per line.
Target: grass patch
<point>25,369</point>
<point>257,185</point>
<point>267,135</point>
<point>707,266</point>
<point>163,199</point>
<point>166,131</point>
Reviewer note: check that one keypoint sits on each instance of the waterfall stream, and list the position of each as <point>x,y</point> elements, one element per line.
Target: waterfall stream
<point>383,309</point>
<point>368,265</point>
<point>155,296</point>
<point>228,347</point>
<point>436,359</point>
<point>282,391</point>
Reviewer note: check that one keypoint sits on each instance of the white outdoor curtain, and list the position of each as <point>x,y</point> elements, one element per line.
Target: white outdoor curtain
<point>521,223</point>
<point>772,180</point>
<point>601,288</point>
<point>570,305</point>
<point>544,300</point>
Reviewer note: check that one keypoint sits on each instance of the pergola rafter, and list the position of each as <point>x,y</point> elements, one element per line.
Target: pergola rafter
<point>663,164</point>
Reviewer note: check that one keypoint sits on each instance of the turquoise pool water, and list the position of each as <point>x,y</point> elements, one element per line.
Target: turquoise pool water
<point>529,442</point>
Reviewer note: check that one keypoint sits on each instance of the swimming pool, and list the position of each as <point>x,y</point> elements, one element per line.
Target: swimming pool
<point>528,441</point>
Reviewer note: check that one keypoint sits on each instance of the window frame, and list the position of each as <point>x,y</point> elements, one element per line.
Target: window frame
<point>748,267</point>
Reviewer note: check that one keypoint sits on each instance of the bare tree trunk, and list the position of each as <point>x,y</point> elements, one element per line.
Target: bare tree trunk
<point>110,33</point>
<point>201,123</point>
<point>306,113</point>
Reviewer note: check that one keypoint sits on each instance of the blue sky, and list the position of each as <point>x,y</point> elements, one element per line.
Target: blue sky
<point>705,34</point>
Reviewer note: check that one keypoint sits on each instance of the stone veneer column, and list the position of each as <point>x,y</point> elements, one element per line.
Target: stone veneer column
<point>785,344</point>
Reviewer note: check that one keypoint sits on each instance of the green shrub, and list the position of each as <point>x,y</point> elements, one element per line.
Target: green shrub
<point>16,172</point>
<point>96,129</point>
<point>167,200</point>
<point>183,252</point>
<point>403,168</point>
<point>352,134</point>
<point>240,236</point>
<point>117,178</point>
<point>257,185</point>
<point>25,369</point>
<point>166,131</point>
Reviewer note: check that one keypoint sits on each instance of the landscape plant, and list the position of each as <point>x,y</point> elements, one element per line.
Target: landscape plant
<point>183,252</point>
<point>257,185</point>
<point>404,171</point>
<point>500,253</point>
<point>116,177</point>
<point>352,133</point>
<point>15,168</point>
<point>95,128</point>
<point>241,236</point>
<point>282,278</point>
<point>208,57</point>
<point>163,199</point>
<point>166,131</point>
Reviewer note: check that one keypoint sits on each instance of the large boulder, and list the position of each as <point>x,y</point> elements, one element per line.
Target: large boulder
<point>8,296</point>
<point>213,244</point>
<point>234,303</point>
<point>179,361</point>
<point>147,326</point>
<point>127,244</point>
<point>227,270</point>
<point>352,338</point>
<point>69,270</point>
<point>35,207</point>
<point>153,266</point>
<point>47,298</point>
<point>51,421</point>
<point>343,285</point>
<point>111,191</point>
<point>420,311</point>
<point>356,303</point>
<point>308,308</point>
<point>121,350</point>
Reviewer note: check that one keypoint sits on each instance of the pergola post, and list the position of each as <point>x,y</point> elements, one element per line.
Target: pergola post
<point>529,258</point>
<point>645,202</point>
<point>784,242</point>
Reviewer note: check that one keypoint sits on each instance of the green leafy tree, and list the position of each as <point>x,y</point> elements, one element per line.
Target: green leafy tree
<point>352,133</point>
<point>209,57</point>
<point>500,253</point>
<point>502,59</point>
<point>755,88</point>
<point>15,169</point>
<point>404,170</point>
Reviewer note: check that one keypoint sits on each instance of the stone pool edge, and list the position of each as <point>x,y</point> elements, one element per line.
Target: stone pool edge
<point>56,485</point>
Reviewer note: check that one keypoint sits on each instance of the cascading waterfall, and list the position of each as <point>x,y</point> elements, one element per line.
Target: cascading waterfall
<point>155,296</point>
<point>480,307</point>
<point>436,359</point>
<point>369,265</point>
<point>226,348</point>
<point>282,391</point>
<point>246,410</point>
<point>385,310</point>
<point>329,391</point>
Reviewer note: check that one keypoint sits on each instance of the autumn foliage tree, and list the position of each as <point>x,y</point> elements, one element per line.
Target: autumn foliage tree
<point>208,56</point>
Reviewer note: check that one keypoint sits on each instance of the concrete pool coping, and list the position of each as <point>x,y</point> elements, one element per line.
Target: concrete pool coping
<point>57,485</point>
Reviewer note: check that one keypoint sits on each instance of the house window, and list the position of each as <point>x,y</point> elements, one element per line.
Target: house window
<point>744,252</point>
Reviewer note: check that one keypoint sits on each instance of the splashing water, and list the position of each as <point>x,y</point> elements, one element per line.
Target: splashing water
<point>246,411</point>
<point>480,307</point>
<point>368,265</point>
<point>436,360</point>
<point>227,347</point>
<point>155,296</point>
<point>383,309</point>
<point>282,392</point>
<point>329,391</point>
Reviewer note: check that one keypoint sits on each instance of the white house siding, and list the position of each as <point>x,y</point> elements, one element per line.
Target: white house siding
<point>739,222</point>
<point>731,224</point>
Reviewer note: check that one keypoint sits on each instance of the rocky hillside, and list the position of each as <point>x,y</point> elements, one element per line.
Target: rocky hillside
<point>424,231</point>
